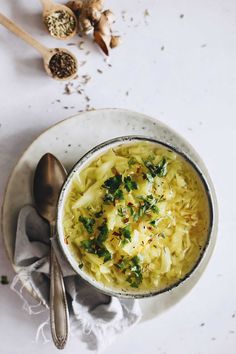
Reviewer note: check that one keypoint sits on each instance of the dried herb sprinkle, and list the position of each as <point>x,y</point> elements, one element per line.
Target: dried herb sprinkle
<point>62,65</point>
<point>60,24</point>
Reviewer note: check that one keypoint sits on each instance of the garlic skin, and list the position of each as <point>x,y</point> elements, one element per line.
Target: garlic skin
<point>115,41</point>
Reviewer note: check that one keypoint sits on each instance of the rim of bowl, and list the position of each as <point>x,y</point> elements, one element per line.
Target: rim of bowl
<point>79,165</point>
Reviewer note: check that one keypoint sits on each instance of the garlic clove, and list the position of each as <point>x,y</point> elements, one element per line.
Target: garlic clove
<point>110,16</point>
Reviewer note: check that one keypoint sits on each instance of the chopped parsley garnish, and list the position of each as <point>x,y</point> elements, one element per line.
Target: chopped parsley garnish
<point>110,198</point>
<point>121,211</point>
<point>89,245</point>
<point>103,252</point>
<point>98,214</point>
<point>4,280</point>
<point>88,223</point>
<point>81,265</point>
<point>96,246</point>
<point>154,223</point>
<point>132,269</point>
<point>119,194</point>
<point>113,183</point>
<point>147,204</point>
<point>159,170</point>
<point>132,161</point>
<point>135,277</point>
<point>103,233</point>
<point>130,184</point>
<point>131,209</point>
<point>126,233</point>
<point>113,192</point>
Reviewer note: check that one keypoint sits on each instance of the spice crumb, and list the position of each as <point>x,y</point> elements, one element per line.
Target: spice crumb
<point>202,324</point>
<point>213,338</point>
<point>127,93</point>
<point>123,14</point>
<point>71,44</point>
<point>162,48</point>
<point>181,15</point>
<point>99,71</point>
<point>233,315</point>
<point>81,45</point>
<point>86,78</point>
<point>146,13</point>
<point>68,88</point>
<point>203,45</point>
<point>4,280</point>
<point>231,331</point>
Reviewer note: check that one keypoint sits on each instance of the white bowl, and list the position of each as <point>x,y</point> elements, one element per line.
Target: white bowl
<point>80,165</point>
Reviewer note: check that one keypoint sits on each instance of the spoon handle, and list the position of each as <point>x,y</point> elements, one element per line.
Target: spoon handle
<point>59,316</point>
<point>19,32</point>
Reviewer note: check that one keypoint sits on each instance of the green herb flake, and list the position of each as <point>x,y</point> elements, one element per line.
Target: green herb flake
<point>126,233</point>
<point>98,214</point>
<point>103,252</point>
<point>103,233</point>
<point>4,280</point>
<point>96,246</point>
<point>113,183</point>
<point>81,265</point>
<point>88,223</point>
<point>109,198</point>
<point>88,245</point>
<point>130,184</point>
<point>159,170</point>
<point>135,277</point>
<point>154,223</point>
<point>118,195</point>
<point>131,209</point>
<point>132,161</point>
<point>121,211</point>
<point>147,204</point>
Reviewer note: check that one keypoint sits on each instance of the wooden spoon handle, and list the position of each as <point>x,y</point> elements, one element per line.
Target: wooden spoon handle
<point>19,32</point>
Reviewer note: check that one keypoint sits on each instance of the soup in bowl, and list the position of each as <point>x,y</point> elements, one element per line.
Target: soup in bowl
<point>134,217</point>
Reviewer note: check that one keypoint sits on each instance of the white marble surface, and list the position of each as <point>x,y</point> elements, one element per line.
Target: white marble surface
<point>191,86</point>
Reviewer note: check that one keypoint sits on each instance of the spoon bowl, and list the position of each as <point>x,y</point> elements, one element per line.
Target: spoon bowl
<point>45,52</point>
<point>49,8</point>
<point>59,51</point>
<point>48,180</point>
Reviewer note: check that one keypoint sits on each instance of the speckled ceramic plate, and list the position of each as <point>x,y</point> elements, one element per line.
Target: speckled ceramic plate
<point>71,139</point>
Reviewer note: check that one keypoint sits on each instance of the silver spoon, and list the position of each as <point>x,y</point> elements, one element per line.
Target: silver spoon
<point>48,180</point>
